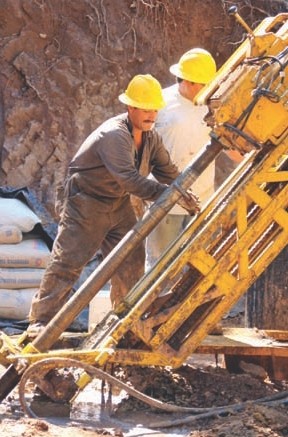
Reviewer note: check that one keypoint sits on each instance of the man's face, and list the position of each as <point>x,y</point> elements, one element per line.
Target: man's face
<point>189,89</point>
<point>142,119</point>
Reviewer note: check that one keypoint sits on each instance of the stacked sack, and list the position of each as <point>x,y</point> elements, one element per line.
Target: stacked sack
<point>23,258</point>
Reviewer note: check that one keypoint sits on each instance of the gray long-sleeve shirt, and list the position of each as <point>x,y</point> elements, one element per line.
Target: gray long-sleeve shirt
<point>105,166</point>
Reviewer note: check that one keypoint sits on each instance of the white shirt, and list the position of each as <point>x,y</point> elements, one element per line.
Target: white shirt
<point>184,132</point>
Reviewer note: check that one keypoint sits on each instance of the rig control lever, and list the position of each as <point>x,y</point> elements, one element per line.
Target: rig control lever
<point>233,10</point>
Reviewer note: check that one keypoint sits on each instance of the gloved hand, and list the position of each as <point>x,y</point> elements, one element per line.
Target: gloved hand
<point>190,202</point>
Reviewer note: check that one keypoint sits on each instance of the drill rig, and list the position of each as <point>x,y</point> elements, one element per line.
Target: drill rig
<point>220,253</point>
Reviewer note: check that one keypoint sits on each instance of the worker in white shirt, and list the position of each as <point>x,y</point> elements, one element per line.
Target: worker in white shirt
<point>184,131</point>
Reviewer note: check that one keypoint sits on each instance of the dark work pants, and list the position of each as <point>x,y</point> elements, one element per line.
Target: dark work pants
<point>84,228</point>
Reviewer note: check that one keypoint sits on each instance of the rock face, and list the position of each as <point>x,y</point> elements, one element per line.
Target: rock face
<point>64,63</point>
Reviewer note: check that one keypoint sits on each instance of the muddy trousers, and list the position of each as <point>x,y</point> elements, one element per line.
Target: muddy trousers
<point>86,227</point>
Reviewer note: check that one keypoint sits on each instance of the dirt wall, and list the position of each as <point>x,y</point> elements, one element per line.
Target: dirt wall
<point>64,63</point>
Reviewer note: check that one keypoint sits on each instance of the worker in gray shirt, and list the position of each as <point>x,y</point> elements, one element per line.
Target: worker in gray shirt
<point>111,165</point>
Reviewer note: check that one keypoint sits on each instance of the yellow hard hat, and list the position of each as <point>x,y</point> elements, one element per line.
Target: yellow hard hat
<point>197,65</point>
<point>143,92</point>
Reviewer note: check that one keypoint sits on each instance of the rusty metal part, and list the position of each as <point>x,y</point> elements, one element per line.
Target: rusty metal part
<point>58,387</point>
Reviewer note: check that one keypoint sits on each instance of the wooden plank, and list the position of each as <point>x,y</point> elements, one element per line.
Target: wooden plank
<point>277,335</point>
<point>243,341</point>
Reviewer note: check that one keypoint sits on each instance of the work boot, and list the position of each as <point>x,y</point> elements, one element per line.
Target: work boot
<point>35,328</point>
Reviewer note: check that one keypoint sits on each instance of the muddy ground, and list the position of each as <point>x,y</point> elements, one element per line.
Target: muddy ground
<point>203,386</point>
<point>203,382</point>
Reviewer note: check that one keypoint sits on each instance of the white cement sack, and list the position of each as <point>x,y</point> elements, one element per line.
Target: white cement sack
<point>20,278</point>
<point>10,234</point>
<point>14,212</point>
<point>15,304</point>
<point>29,253</point>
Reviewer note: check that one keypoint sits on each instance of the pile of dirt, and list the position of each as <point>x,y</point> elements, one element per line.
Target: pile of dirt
<point>189,386</point>
<point>205,389</point>
<point>255,421</point>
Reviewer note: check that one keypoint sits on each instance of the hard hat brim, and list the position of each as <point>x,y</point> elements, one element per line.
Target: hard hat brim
<point>130,102</point>
<point>174,69</point>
